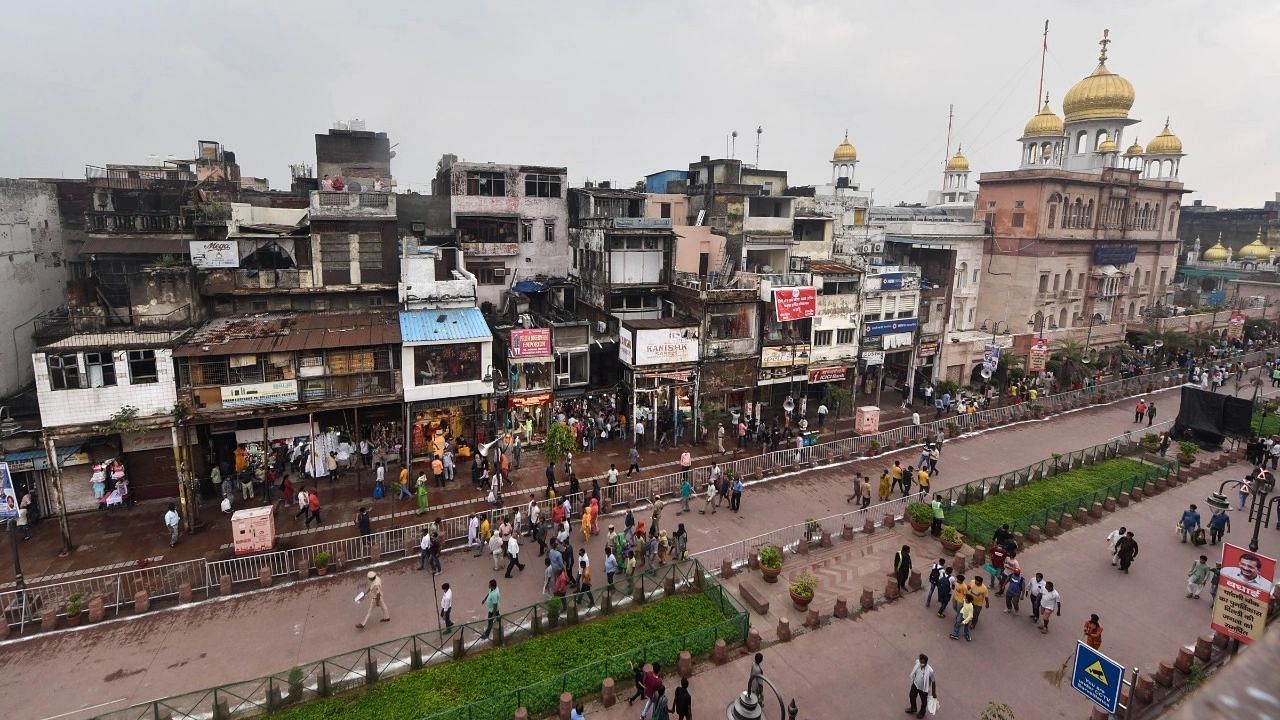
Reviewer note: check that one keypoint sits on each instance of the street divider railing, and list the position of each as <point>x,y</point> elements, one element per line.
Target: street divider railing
<point>365,666</point>
<point>205,576</point>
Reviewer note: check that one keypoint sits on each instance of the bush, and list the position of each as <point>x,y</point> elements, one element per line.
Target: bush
<point>920,513</point>
<point>770,557</point>
<point>1188,449</point>
<point>951,535</point>
<point>322,559</point>
<point>1023,502</point>
<point>805,584</point>
<point>535,666</point>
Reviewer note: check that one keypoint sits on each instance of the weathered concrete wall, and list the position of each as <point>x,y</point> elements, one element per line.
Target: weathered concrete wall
<point>33,280</point>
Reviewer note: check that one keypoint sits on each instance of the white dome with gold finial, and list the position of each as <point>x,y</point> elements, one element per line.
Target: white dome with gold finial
<point>1101,95</point>
<point>845,151</point>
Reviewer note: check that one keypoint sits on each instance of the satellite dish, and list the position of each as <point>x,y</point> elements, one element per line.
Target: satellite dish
<point>986,373</point>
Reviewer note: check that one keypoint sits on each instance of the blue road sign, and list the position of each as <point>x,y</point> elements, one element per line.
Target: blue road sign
<point>1097,677</point>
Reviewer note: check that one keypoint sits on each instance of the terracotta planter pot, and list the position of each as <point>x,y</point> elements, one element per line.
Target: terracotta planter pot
<point>73,619</point>
<point>949,548</point>
<point>770,575</point>
<point>918,529</point>
<point>801,602</point>
<point>322,571</point>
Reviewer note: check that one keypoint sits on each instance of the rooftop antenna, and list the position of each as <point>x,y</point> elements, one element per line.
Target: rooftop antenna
<point>759,132</point>
<point>951,114</point>
<point>1044,50</point>
<point>733,144</point>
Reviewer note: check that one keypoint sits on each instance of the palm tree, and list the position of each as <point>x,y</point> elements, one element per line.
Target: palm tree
<point>1202,340</point>
<point>1068,362</point>
<point>1165,341</point>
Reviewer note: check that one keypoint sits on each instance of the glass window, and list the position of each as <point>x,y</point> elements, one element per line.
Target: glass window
<point>845,336</point>
<point>142,367</point>
<point>547,186</point>
<point>490,184</point>
<point>822,337</point>
<point>435,364</point>
<point>64,371</point>
<point>530,376</point>
<point>571,368</point>
<point>549,231</point>
<point>101,368</point>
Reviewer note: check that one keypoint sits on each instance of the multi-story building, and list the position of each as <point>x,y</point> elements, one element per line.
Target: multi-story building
<point>512,223</point>
<point>1080,233</point>
<point>748,206</point>
<point>621,259</point>
<point>834,357</point>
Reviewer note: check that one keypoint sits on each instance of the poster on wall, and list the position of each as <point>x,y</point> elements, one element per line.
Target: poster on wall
<point>658,346</point>
<point>797,303</point>
<point>8,495</point>
<point>1039,355</point>
<point>215,253</point>
<point>531,342</point>
<point>1245,586</point>
<point>1235,330</point>
<point>991,358</point>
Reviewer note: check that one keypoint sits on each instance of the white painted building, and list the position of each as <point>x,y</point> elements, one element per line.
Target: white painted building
<point>33,280</point>
<point>86,379</point>
<point>512,222</point>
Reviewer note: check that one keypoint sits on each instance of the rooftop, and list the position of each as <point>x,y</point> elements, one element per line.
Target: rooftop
<point>417,326</point>
<point>118,339</point>
<point>290,332</point>
<point>830,267</point>
<point>659,324</point>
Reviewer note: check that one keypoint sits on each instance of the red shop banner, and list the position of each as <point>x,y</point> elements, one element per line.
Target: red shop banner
<point>795,303</point>
<point>519,401</point>
<point>533,342</point>
<point>827,374</point>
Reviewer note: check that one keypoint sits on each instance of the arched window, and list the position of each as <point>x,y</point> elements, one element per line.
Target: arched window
<point>962,277</point>
<point>1132,307</point>
<point>1088,215</point>
<point>1062,318</point>
<point>1082,142</point>
<point>1080,281</point>
<point>1054,200</point>
<point>1099,139</point>
<point>1155,217</point>
<point>1066,283</point>
<point>1173,214</point>
<point>1077,214</point>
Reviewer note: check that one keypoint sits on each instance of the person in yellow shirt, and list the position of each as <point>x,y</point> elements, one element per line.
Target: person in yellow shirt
<point>979,592</point>
<point>959,589</point>
<point>922,477</point>
<point>895,473</point>
<point>1033,394</point>
<point>964,619</point>
<point>485,530</point>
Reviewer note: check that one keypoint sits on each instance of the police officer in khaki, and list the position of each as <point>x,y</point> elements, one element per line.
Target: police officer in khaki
<point>374,596</point>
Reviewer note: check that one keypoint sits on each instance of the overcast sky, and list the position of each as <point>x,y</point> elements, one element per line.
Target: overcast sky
<point>616,90</point>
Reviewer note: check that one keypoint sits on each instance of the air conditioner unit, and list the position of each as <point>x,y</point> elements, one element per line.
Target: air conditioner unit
<point>562,380</point>
<point>879,247</point>
<point>500,272</point>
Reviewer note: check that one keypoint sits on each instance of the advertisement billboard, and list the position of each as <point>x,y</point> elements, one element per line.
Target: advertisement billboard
<point>991,358</point>
<point>1245,586</point>
<point>889,327</point>
<point>784,356</point>
<point>795,303</point>
<point>1114,255</point>
<point>658,346</point>
<point>268,393</point>
<point>826,374</point>
<point>215,253</point>
<point>1235,330</point>
<point>530,343</point>
<point>1039,355</point>
<point>8,495</point>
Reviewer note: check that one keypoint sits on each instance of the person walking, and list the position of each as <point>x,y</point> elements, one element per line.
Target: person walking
<point>1035,590</point>
<point>1189,523</point>
<point>424,549</point>
<point>637,678</point>
<point>710,496</point>
<point>1126,551</point>
<point>683,704</point>
<point>735,496</point>
<point>936,573</point>
<point>1092,633</point>
<point>1151,413</point>
<point>1219,524</point>
<point>313,507</point>
<point>661,706</point>
<point>755,680</point>
<point>980,593</point>
<point>513,552</point>
<point>1198,577</point>
<point>446,606</point>
<point>1139,410</point>
<point>364,524</point>
<point>303,498</point>
<point>923,686</point>
<point>902,566</point>
<point>655,514</point>
<point>1050,603</point>
<point>376,599</point>
<point>1013,592</point>
<point>939,514</point>
<point>720,439</point>
<point>885,480</point>
<point>652,681</point>
<point>686,492</point>
<point>171,523</point>
<point>491,600</point>
<point>1113,538</point>
<point>633,456</point>
<point>866,491</point>
<point>964,619</point>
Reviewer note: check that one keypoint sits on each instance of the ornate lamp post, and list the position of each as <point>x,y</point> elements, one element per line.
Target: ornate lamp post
<point>1260,506</point>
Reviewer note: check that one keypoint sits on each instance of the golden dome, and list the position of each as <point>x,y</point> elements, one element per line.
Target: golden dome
<point>845,152</point>
<point>1217,253</point>
<point>1102,94</point>
<point>1166,143</point>
<point>1134,149</point>
<point>1045,123</point>
<point>1108,146</point>
<point>958,162</point>
<point>1256,250</point>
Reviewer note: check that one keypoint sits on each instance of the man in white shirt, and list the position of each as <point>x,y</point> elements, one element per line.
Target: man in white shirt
<point>473,534</point>
<point>1035,590</point>
<point>922,686</point>
<point>1050,603</point>
<point>171,522</point>
<point>446,605</point>
<point>822,415</point>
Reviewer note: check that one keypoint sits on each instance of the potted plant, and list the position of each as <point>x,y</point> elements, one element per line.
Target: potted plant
<point>1187,452</point>
<point>553,611</point>
<point>75,605</point>
<point>1150,442</point>
<point>873,448</point>
<point>770,563</point>
<point>919,517</point>
<point>801,590</point>
<point>321,561</point>
<point>951,539</point>
<point>952,429</point>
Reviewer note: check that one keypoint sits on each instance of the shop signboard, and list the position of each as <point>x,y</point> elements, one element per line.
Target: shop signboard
<point>888,327</point>
<point>926,349</point>
<point>215,253</point>
<point>873,357</point>
<point>1039,355</point>
<point>795,303</point>
<point>256,394</point>
<point>531,343</point>
<point>658,346</point>
<point>1114,255</point>
<point>524,401</point>
<point>1245,586</point>
<point>826,374</point>
<point>782,356</point>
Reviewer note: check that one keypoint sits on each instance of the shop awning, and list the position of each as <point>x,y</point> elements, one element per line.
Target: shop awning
<point>36,459</point>
<point>528,286</point>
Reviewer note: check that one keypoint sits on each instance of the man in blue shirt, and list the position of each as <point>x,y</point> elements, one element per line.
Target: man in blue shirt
<point>1219,524</point>
<point>1189,523</point>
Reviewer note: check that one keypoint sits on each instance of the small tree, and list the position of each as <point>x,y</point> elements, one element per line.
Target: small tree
<point>837,396</point>
<point>558,443</point>
<point>124,421</point>
<point>712,416</point>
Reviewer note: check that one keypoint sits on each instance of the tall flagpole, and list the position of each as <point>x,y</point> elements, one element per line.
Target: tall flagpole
<point>951,114</point>
<point>1044,50</point>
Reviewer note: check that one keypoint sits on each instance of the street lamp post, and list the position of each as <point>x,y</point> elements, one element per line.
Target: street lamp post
<point>1088,336</point>
<point>1260,506</point>
<point>747,706</point>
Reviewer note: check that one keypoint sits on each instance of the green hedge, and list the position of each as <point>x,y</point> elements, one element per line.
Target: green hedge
<point>1022,504</point>
<point>1264,426</point>
<point>575,659</point>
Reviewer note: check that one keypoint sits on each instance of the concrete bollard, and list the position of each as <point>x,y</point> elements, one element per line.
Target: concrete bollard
<point>340,560</point>
<point>802,547</point>
<point>913,580</point>
<point>1109,505</point>
<point>1136,494</point>
<point>846,532</point>
<point>868,599</point>
<point>842,608</point>
<point>1123,499</point>
<point>753,561</point>
<point>784,630</point>
<point>1204,648</point>
<point>720,652</point>
<point>303,567</point>
<point>1034,534</point>
<point>1164,675</point>
<point>1082,515</point>
<point>49,619</point>
<point>141,601</point>
<point>1186,658</point>
<point>684,665</point>
<point>264,580</point>
<point>1150,489</point>
<point>891,591</point>
<point>826,539</point>
<point>608,693</point>
<point>812,619</point>
<point>1066,523</point>
<point>1144,691</point>
<point>888,521</point>
<point>566,705</point>
<point>1221,641</point>
<point>184,592</point>
<point>753,640</point>
<point>957,565</point>
<point>1019,540</point>
<point>1050,528</point>
<point>726,568</point>
<point>979,556</point>
<point>375,552</point>
<point>97,608</point>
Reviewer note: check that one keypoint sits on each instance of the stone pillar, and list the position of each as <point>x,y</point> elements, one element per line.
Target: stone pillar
<point>1123,499</point>
<point>1164,675</point>
<point>264,580</point>
<point>97,609</point>
<point>888,521</point>
<point>979,556</point>
<point>753,640</point>
<point>684,665</point>
<point>720,653</point>
<point>847,531</point>
<point>1050,528</point>
<point>753,561</point>
<point>1204,648</point>
<point>891,591</point>
<point>726,568</point>
<point>826,539</point>
<point>141,601</point>
<point>1135,494</point>
<point>303,567</point>
<point>184,592</point>
<point>1150,489</point>
<point>913,580</point>
<point>1033,534</point>
<point>957,565</point>
<point>812,620</point>
<point>608,694</point>
<point>1144,691</point>
<point>868,599</point>
<point>1108,505</point>
<point>49,619</point>
<point>1221,641</point>
<point>566,705</point>
<point>1066,523</point>
<point>784,630</point>
<point>1186,659</point>
<point>842,608</point>
<point>802,547</point>
<point>1082,515</point>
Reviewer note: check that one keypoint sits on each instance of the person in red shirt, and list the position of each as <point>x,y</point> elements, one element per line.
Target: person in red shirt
<point>313,507</point>
<point>652,681</point>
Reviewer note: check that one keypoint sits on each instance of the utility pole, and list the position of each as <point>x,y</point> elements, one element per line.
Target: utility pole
<point>946,157</point>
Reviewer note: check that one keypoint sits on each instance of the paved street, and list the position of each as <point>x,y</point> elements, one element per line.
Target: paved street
<point>189,648</point>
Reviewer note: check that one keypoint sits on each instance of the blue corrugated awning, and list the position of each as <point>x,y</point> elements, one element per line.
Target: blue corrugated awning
<point>528,286</point>
<point>35,459</point>
<point>418,326</point>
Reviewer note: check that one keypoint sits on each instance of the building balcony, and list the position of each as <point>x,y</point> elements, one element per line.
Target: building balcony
<point>139,177</point>
<point>232,281</point>
<point>743,287</point>
<point>327,204</point>
<point>133,223</point>
<point>781,226</point>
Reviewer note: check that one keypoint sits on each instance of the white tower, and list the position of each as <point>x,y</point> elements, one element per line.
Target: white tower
<point>1096,111</point>
<point>1164,155</point>
<point>843,162</point>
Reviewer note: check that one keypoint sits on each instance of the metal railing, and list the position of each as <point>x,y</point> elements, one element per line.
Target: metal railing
<point>349,670</point>
<point>135,222</point>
